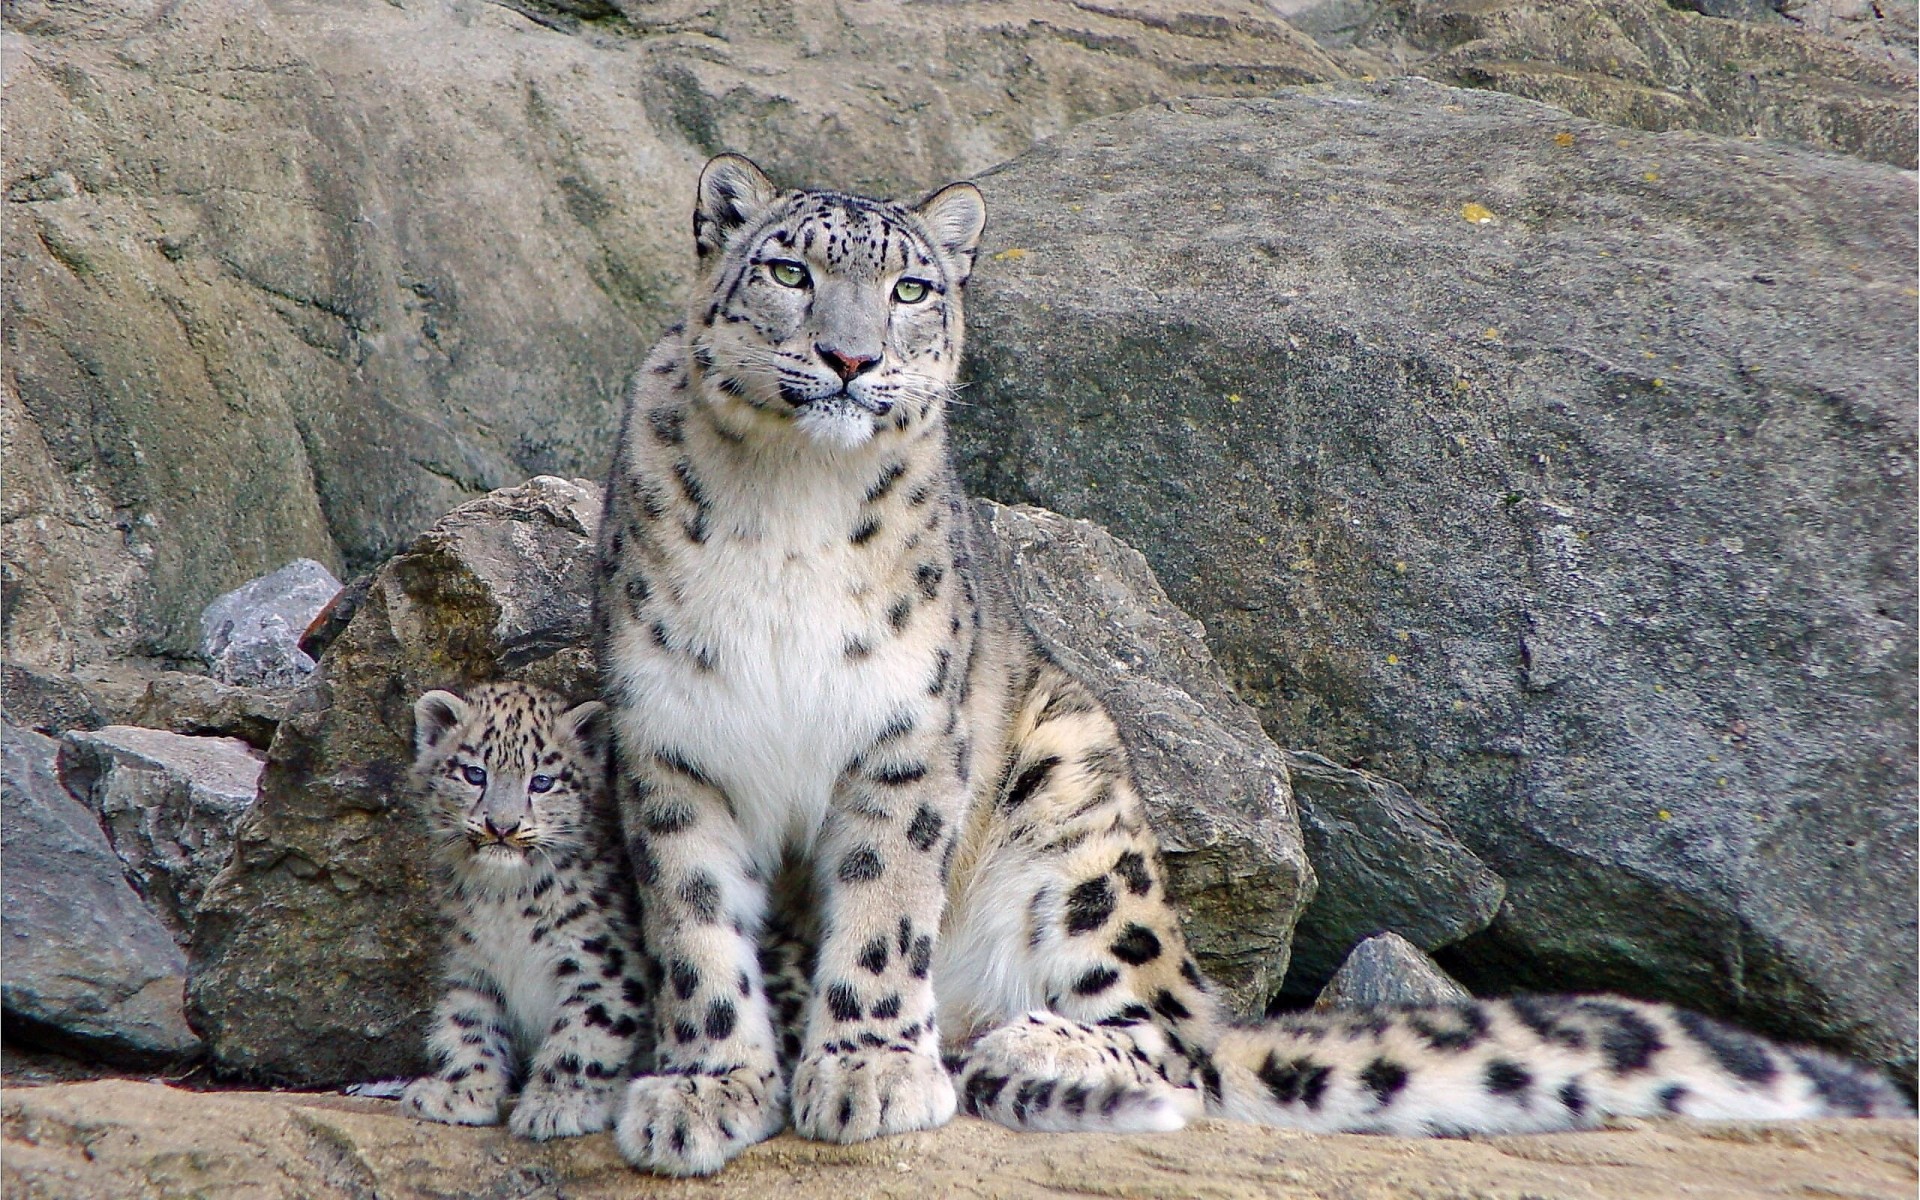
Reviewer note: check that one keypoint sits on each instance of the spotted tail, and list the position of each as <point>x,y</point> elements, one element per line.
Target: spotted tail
<point>1522,1065</point>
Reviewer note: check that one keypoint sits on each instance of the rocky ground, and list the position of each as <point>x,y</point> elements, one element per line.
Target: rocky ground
<point>120,1138</point>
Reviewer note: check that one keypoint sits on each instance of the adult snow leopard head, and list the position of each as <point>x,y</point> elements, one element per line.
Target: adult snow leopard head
<point>835,314</point>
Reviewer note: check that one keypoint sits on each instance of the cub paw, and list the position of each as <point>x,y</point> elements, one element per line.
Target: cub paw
<point>546,1112</point>
<point>850,1097</point>
<point>435,1099</point>
<point>695,1124</point>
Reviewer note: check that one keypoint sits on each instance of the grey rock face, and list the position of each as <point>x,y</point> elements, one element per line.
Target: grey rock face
<point>1216,786</point>
<point>168,805</point>
<point>1815,77</point>
<point>1385,861</point>
<point>250,636</point>
<point>265,307</point>
<point>1387,969</point>
<point>312,954</point>
<point>1588,518</point>
<point>87,966</point>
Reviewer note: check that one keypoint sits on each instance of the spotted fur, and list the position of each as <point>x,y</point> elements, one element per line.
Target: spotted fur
<point>545,976</point>
<point>872,822</point>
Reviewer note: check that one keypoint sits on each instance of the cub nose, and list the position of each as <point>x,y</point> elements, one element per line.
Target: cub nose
<point>500,833</point>
<point>844,364</point>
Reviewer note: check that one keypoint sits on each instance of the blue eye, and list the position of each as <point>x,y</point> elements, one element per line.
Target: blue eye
<point>540,783</point>
<point>477,776</point>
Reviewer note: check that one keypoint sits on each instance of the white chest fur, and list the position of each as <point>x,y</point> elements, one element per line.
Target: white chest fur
<point>523,969</point>
<point>774,599</point>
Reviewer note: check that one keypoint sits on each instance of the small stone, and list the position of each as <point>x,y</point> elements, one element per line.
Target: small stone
<point>251,635</point>
<point>1387,969</point>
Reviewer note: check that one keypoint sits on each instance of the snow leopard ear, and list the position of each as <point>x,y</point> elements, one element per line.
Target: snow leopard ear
<point>955,215</point>
<point>590,727</point>
<point>732,192</point>
<point>435,716</point>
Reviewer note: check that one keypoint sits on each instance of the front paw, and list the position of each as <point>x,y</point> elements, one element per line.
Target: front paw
<point>546,1111</point>
<point>695,1124</point>
<point>861,1094</point>
<point>453,1103</point>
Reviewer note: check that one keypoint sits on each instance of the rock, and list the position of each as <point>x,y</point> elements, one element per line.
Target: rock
<point>168,804</point>
<point>1385,861</point>
<point>1587,518</point>
<point>1889,27</point>
<point>267,296</point>
<point>1649,65</point>
<point>48,703</point>
<point>1388,969</point>
<point>1216,786</point>
<point>205,707</point>
<point>87,967</point>
<point>306,961</point>
<point>106,1140</point>
<point>311,958</point>
<point>250,636</point>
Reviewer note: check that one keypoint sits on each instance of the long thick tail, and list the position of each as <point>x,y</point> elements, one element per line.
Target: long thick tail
<point>1525,1064</point>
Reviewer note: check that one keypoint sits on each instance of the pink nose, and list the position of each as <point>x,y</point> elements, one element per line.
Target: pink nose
<point>846,365</point>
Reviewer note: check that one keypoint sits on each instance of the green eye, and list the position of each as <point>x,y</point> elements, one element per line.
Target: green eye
<point>910,291</point>
<point>788,274</point>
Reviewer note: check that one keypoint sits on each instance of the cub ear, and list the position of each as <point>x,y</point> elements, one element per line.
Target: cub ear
<point>589,725</point>
<point>435,716</point>
<point>955,215</point>
<point>732,192</point>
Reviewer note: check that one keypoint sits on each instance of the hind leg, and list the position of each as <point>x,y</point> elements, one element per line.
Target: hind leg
<point>1045,1072</point>
<point>1063,909</point>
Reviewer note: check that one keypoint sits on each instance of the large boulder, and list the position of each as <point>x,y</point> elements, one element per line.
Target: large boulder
<point>1842,79</point>
<point>1522,461</point>
<point>87,968</point>
<point>313,953</point>
<point>294,280</point>
<point>168,805</point>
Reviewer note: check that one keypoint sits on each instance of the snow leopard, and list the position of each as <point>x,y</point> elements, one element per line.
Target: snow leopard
<point>545,980</point>
<point>892,859</point>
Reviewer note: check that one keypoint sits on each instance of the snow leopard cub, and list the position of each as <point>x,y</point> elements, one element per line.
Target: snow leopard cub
<point>543,971</point>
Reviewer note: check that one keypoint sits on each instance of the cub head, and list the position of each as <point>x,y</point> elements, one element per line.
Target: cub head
<point>509,774</point>
<point>833,314</point>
